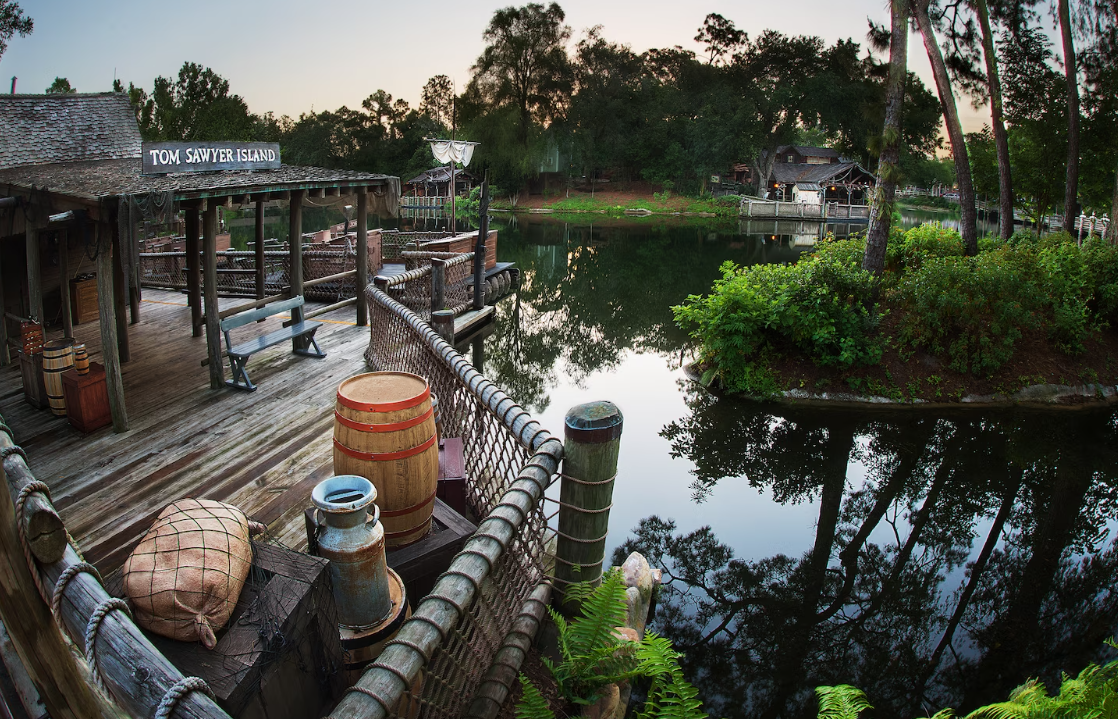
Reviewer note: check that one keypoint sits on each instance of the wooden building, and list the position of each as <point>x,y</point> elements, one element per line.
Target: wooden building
<point>434,182</point>
<point>72,190</point>
<point>814,175</point>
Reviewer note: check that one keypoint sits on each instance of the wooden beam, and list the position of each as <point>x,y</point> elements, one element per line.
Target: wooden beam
<point>38,641</point>
<point>110,353</point>
<point>213,324</point>
<point>119,298</point>
<point>260,278</point>
<point>295,248</point>
<point>5,351</point>
<point>362,256</point>
<point>316,192</point>
<point>64,282</point>
<point>193,270</point>
<point>333,192</point>
<point>34,271</point>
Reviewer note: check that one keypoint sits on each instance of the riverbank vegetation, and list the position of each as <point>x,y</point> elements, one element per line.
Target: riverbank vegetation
<point>937,325</point>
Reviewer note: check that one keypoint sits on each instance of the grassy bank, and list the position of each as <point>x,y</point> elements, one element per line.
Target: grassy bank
<point>616,204</point>
<point>940,326</point>
<point>928,203</point>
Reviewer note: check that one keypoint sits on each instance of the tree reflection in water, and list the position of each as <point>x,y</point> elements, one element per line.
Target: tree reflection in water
<point>976,553</point>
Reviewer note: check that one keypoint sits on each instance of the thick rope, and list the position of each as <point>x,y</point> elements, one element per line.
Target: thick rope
<point>95,619</point>
<point>64,579</point>
<point>21,500</point>
<point>175,694</point>
<point>576,480</point>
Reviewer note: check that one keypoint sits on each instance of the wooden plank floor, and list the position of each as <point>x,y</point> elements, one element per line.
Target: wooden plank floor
<point>262,451</point>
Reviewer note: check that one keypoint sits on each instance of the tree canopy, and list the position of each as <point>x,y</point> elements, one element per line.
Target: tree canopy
<point>13,21</point>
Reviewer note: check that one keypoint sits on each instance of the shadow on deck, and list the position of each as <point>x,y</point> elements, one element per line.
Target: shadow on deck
<point>262,452</point>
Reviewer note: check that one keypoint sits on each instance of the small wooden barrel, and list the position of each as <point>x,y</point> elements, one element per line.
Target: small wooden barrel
<point>81,359</point>
<point>384,431</point>
<point>58,356</point>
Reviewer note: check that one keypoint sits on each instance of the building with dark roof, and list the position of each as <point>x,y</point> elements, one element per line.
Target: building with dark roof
<point>434,182</point>
<point>816,174</point>
<point>73,190</point>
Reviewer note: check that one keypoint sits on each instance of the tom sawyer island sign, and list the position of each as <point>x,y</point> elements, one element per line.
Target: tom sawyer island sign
<point>161,158</point>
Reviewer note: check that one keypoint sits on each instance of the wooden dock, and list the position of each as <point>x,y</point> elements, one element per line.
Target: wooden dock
<point>262,451</point>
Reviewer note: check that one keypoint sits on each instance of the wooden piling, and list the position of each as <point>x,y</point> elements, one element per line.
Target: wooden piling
<point>443,323</point>
<point>259,249</point>
<point>38,641</point>
<point>64,283</point>
<point>34,272</point>
<point>106,310</point>
<point>592,439</point>
<point>362,255</point>
<point>213,324</point>
<point>438,284</point>
<point>193,270</point>
<point>479,248</point>
<point>120,300</point>
<point>295,248</point>
<point>5,350</point>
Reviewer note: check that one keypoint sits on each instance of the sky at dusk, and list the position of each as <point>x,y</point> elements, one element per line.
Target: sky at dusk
<point>292,56</point>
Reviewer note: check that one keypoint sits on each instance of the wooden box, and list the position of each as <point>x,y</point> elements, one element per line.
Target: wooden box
<point>34,386</point>
<point>452,475</point>
<point>280,655</point>
<point>87,398</point>
<point>420,564</point>
<point>83,300</point>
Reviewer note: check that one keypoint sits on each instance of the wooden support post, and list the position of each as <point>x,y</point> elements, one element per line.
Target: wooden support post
<point>119,299</point>
<point>5,351</point>
<point>110,353</point>
<point>193,270</point>
<point>295,248</point>
<point>38,641</point>
<point>34,273</point>
<point>592,439</point>
<point>64,283</point>
<point>213,324</point>
<point>438,284</point>
<point>260,277</point>
<point>133,284</point>
<point>479,247</point>
<point>362,255</point>
<point>443,323</point>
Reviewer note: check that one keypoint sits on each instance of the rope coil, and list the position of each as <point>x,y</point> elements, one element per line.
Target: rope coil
<point>64,579</point>
<point>21,500</point>
<point>99,613</point>
<point>177,692</point>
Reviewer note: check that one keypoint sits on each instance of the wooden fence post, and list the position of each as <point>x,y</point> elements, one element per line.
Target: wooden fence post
<point>592,439</point>
<point>213,323</point>
<point>479,247</point>
<point>106,311</point>
<point>438,284</point>
<point>362,255</point>
<point>442,322</point>
<point>38,640</point>
<point>194,269</point>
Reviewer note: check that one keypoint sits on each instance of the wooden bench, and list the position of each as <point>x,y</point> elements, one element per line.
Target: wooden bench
<point>300,333</point>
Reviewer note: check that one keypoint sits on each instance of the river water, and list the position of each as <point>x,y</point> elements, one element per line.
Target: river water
<point>932,558</point>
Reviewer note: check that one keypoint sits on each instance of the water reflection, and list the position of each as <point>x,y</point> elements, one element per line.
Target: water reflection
<point>973,552</point>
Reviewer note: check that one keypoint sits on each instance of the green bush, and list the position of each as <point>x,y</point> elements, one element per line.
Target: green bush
<point>927,241</point>
<point>818,304</point>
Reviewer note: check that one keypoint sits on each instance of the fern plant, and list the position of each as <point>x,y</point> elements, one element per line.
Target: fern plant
<point>594,655</point>
<point>841,702</point>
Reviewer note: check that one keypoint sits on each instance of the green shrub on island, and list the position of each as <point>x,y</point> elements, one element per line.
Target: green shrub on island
<point>971,312</point>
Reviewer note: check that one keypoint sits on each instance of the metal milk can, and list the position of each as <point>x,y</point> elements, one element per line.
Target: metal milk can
<point>354,543</point>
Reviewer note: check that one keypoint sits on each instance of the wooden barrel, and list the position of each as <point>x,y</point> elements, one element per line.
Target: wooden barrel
<point>384,431</point>
<point>81,359</point>
<point>58,356</point>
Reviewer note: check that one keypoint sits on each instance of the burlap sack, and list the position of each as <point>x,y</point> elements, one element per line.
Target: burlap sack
<point>184,578</point>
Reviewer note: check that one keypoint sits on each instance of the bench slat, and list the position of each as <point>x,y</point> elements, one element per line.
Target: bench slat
<point>260,313</point>
<point>273,338</point>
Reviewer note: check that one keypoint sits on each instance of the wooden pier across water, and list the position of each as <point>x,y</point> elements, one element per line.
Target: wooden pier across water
<point>262,451</point>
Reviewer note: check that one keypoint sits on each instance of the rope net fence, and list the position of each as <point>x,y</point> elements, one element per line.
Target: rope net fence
<point>442,657</point>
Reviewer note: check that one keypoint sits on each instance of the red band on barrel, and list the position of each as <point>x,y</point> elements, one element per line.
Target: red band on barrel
<point>385,456</point>
<point>422,533</point>
<point>387,426</point>
<point>384,406</point>
<point>409,510</point>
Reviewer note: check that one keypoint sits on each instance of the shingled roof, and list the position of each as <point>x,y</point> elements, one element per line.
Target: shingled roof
<point>791,173</point>
<point>43,129</point>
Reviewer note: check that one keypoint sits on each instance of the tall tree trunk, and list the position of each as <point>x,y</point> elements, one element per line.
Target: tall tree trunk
<point>1071,192</point>
<point>1001,138</point>
<point>969,219</point>
<point>881,210</point>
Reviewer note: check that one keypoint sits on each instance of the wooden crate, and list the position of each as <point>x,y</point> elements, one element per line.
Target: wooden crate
<point>83,300</point>
<point>295,670</point>
<point>420,564</point>
<point>87,399</point>
<point>465,244</point>
<point>34,386</point>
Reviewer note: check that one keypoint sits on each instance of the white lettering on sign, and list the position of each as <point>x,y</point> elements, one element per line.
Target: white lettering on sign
<point>165,157</point>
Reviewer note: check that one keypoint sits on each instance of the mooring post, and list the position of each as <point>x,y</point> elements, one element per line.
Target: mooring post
<point>479,247</point>
<point>592,439</point>
<point>438,284</point>
<point>443,322</point>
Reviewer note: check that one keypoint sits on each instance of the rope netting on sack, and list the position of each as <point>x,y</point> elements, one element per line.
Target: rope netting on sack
<point>444,660</point>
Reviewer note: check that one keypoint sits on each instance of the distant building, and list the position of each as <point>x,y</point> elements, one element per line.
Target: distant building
<point>434,182</point>
<point>812,175</point>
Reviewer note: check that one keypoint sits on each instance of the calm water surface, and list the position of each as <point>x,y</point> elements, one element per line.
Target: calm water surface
<point>931,558</point>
